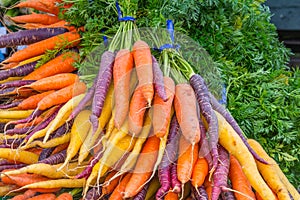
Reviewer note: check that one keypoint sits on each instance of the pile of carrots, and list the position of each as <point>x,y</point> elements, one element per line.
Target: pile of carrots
<point>147,128</point>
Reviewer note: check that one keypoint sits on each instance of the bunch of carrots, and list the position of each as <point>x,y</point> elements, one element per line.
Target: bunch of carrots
<point>147,128</point>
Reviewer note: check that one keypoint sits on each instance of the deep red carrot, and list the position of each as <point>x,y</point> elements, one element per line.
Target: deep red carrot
<point>158,80</point>
<point>202,94</point>
<point>104,78</point>
<point>121,75</point>
<point>137,109</point>
<point>22,70</point>
<point>45,19</point>
<point>26,37</point>
<point>143,63</point>
<point>39,48</point>
<point>32,101</point>
<point>60,64</point>
<point>230,119</point>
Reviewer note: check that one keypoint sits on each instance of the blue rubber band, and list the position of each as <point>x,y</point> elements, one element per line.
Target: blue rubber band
<point>120,16</point>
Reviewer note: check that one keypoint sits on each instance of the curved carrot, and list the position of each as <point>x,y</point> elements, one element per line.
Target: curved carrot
<point>143,168</point>
<point>121,74</point>
<point>162,109</point>
<point>32,101</point>
<point>143,63</point>
<point>110,185</point>
<point>119,190</point>
<point>62,96</point>
<point>48,6</point>
<point>48,196</point>
<point>64,196</point>
<point>68,39</point>
<point>23,179</point>
<point>27,194</point>
<point>36,18</point>
<point>200,171</point>
<point>137,109</point>
<point>239,181</point>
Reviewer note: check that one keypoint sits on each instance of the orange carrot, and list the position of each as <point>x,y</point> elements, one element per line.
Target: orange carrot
<point>27,194</point>
<point>185,104</point>
<point>54,82</point>
<point>32,101</point>
<point>171,196</point>
<point>48,196</point>
<point>9,65</point>
<point>62,96</point>
<point>48,6</point>
<point>65,196</point>
<point>110,185</point>
<point>187,157</point>
<point>121,74</point>
<point>162,109</point>
<point>143,168</point>
<point>36,18</point>
<point>62,24</point>
<point>143,63</point>
<point>137,109</point>
<point>239,180</point>
<point>200,171</point>
<point>118,191</point>
<point>35,150</point>
<point>69,39</point>
<point>208,187</point>
<point>23,179</point>
<point>60,148</point>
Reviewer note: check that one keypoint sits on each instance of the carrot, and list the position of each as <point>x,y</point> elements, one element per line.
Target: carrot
<point>230,140</point>
<point>14,114</point>
<point>162,109</point>
<point>119,190</point>
<point>27,194</point>
<point>208,187</point>
<point>200,193</point>
<point>23,179</point>
<point>32,101</point>
<point>121,75</point>
<point>258,197</point>
<point>19,155</point>
<point>60,64</point>
<point>60,148</point>
<point>137,109</point>
<point>143,63</point>
<point>48,196</point>
<point>186,112</point>
<point>239,181</point>
<point>110,184</point>
<point>171,196</point>
<point>36,18</point>
<point>269,172</point>
<point>62,24</point>
<point>45,6</point>
<point>79,132</point>
<point>38,48</point>
<point>64,196</point>
<point>32,123</point>
<point>7,189</point>
<point>187,158</point>
<point>200,171</point>
<point>62,96</point>
<point>143,168</point>
<point>158,80</point>
<point>54,82</point>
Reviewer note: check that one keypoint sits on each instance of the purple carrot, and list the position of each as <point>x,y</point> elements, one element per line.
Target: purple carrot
<point>22,70</point>
<point>142,194</point>
<point>10,105</point>
<point>46,152</point>
<point>220,177</point>
<point>169,157</point>
<point>104,78</point>
<point>202,95</point>
<point>176,185</point>
<point>15,166</point>
<point>17,83</point>
<point>6,91</point>
<point>229,118</point>
<point>43,124</point>
<point>14,141</point>
<point>18,131</point>
<point>11,146</point>
<point>228,194</point>
<point>87,171</point>
<point>158,80</point>
<point>56,158</point>
<point>33,115</point>
<point>4,126</point>
<point>199,193</point>
<point>204,146</point>
<point>93,194</point>
<point>26,37</point>
<point>88,96</point>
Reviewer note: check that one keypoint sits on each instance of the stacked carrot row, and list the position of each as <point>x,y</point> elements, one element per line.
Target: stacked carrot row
<point>146,129</point>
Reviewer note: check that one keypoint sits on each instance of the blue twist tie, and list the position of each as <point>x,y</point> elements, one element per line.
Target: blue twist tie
<point>170,28</point>
<point>120,16</point>
<point>223,99</point>
<point>105,39</point>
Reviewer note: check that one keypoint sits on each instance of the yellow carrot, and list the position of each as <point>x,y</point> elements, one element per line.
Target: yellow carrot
<point>24,62</point>
<point>50,143</point>
<point>59,183</point>
<point>15,114</point>
<point>19,155</point>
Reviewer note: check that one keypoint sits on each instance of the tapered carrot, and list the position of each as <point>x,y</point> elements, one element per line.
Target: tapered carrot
<point>34,122</point>
<point>137,109</point>
<point>27,194</point>
<point>143,63</point>
<point>62,96</point>
<point>48,196</point>
<point>64,196</point>
<point>121,75</point>
<point>171,196</point>
<point>110,185</point>
<point>162,109</point>
<point>32,101</point>
<point>187,158</point>
<point>186,112</point>
<point>60,64</point>
<point>143,168</point>
<point>36,18</point>
<point>45,6</point>
<point>119,190</point>
<point>200,171</point>
<point>239,181</point>
<point>68,39</point>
